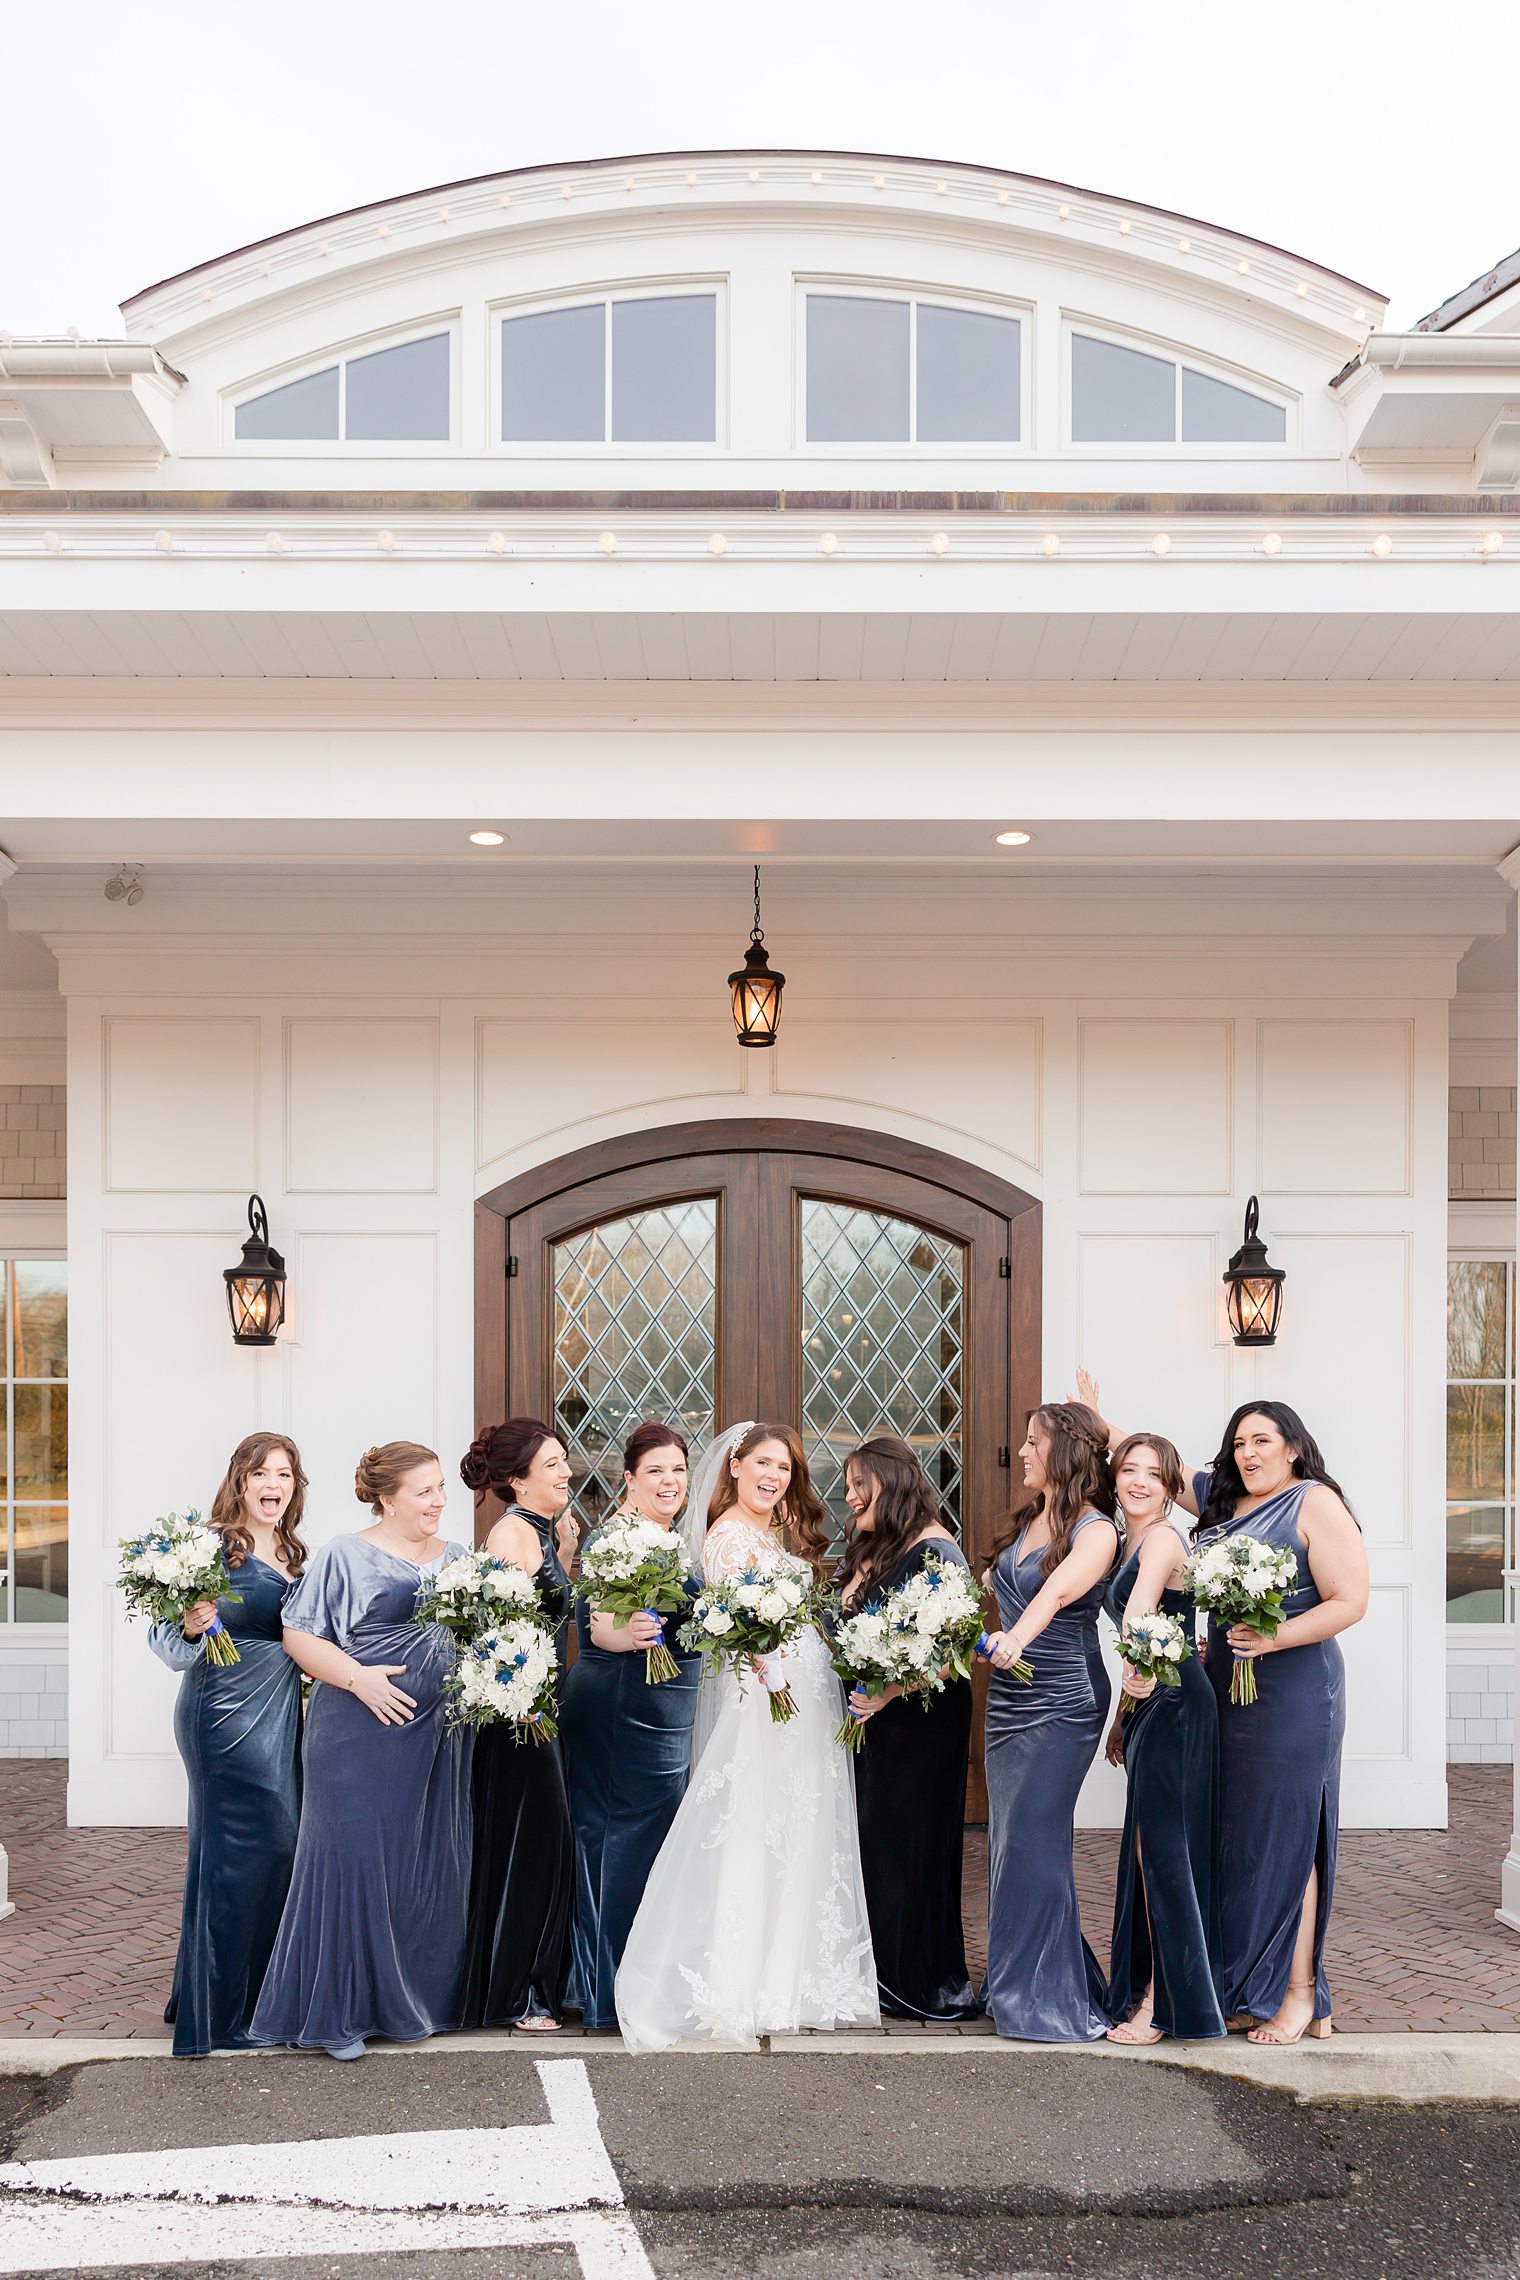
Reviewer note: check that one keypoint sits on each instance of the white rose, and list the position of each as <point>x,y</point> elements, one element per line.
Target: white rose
<point>772,1606</point>
<point>749,1594</point>
<point>717,1622</point>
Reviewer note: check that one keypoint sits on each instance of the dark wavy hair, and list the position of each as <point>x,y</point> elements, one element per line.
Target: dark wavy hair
<point>801,1509</point>
<point>646,1438</point>
<point>501,1455</point>
<point>229,1518</point>
<point>905,1506</point>
<point>1077,1480</point>
<point>1226,1487</point>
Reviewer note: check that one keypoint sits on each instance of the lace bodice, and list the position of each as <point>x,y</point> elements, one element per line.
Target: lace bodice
<point>732,1543</point>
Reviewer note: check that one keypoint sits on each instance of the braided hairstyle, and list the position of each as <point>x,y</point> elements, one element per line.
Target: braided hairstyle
<point>1078,1479</point>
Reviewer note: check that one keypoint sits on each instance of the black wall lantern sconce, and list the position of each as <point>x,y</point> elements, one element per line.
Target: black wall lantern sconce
<point>756,990</point>
<point>256,1285</point>
<point>1255,1287</point>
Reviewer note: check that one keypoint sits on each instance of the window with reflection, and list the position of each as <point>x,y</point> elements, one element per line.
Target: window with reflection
<point>1480,1440</point>
<point>35,1293</point>
<point>642,369</point>
<point>908,371</point>
<point>386,395</point>
<point>1126,395</point>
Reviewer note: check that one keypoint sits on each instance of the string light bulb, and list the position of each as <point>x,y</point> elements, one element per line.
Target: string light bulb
<point>608,542</point>
<point>53,541</point>
<point>1161,543</point>
<point>717,544</point>
<point>1493,540</point>
<point>940,542</point>
<point>1271,544</point>
<point>1050,544</point>
<point>274,544</point>
<point>386,542</point>
<point>828,543</point>
<point>497,542</point>
<point>1382,546</point>
<point>163,542</point>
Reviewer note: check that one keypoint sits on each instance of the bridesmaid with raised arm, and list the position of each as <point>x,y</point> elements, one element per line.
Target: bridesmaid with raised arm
<point>1280,1757</point>
<point>1164,1957</point>
<point>627,1744</point>
<point>372,1939</point>
<point>910,1775</point>
<point>1048,1571</point>
<point>238,1729</point>
<point>522,1880</point>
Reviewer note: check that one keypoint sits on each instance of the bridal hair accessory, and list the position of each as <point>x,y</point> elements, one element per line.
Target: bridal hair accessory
<point>704,1479</point>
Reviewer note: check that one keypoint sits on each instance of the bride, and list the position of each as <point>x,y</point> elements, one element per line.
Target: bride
<point>753,1921</point>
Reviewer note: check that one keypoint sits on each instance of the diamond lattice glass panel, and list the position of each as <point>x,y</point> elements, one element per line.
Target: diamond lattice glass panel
<point>635,1315</point>
<point>883,1346</point>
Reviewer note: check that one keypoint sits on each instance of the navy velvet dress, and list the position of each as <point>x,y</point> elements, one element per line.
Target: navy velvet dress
<point>238,1729</point>
<point>1279,1781</point>
<point>1043,1981</point>
<point>627,1758</point>
<point>522,1878</point>
<point>372,1940</point>
<point>910,1795</point>
<point>1166,1904</point>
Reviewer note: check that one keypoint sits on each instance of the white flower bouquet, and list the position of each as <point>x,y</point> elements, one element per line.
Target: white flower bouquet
<point>178,1562</point>
<point>1239,1580</point>
<point>1155,1646</point>
<point>506,1676</point>
<point>745,1617</point>
<point>917,1637</point>
<point>472,1593</point>
<point>631,1567</point>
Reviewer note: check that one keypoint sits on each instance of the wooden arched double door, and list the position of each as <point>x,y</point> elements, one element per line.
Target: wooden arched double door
<point>844,1281</point>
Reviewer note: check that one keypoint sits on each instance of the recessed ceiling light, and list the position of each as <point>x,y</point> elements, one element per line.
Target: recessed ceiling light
<point>488,839</point>
<point>1013,838</point>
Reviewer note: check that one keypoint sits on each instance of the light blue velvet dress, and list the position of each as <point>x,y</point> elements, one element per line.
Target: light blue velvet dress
<point>238,1729</point>
<point>372,1939</point>
<point>1043,1982</point>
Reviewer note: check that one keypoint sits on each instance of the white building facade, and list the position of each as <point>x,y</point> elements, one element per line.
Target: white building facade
<point>835,514</point>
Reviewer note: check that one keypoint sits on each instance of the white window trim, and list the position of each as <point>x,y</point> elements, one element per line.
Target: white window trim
<point>855,288</point>
<point>687,286</point>
<point>1286,400</point>
<point>38,1247</point>
<point>341,353</point>
<point>1482,1231</point>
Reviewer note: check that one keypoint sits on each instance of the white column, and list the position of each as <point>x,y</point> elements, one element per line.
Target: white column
<point>1508,1910</point>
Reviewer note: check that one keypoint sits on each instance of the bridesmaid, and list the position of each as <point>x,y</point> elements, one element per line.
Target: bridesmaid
<point>522,1881</point>
<point>1164,1957</point>
<point>238,1729</point>
<point>910,1776</point>
<point>1048,1572</point>
<point>1280,1757</point>
<point>372,1940</point>
<point>627,1745</point>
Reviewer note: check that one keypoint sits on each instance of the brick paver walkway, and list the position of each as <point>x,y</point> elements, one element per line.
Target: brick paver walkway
<point>1413,1946</point>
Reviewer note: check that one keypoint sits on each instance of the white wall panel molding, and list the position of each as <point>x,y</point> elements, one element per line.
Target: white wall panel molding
<point>1379,1675</point>
<point>979,1080</point>
<point>361,1099</point>
<point>1148,1309</point>
<point>1156,1106</point>
<point>540,1080</point>
<point>1336,1106</point>
<point>181,1103</point>
<point>32,1050</point>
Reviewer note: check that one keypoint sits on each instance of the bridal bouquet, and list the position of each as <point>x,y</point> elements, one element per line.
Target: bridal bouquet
<point>507,1675</point>
<point>916,1638</point>
<point>472,1592</point>
<point>1241,1581</point>
<point>1155,1646</point>
<point>634,1567</point>
<point>179,1561</point>
<point>748,1615</point>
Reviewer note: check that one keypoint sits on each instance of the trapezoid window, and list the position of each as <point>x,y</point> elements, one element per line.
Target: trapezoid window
<point>387,395</point>
<point>910,371</point>
<point>637,370</point>
<point>1125,395</point>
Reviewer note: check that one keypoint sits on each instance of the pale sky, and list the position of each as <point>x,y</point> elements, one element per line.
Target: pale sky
<point>1370,135</point>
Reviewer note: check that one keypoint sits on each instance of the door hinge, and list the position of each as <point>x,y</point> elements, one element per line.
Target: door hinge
<point>1005,1457</point>
<point>511,1264</point>
<point>1005,1270</point>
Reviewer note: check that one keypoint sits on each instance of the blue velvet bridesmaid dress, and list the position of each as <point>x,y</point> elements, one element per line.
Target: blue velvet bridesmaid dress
<point>1279,1781</point>
<point>1166,1905</point>
<point>522,1877</point>
<point>627,1758</point>
<point>372,1940</point>
<point>238,1729</point>
<point>1043,1981</point>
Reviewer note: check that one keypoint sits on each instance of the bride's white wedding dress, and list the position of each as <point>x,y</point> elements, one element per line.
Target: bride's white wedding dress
<point>753,1921</point>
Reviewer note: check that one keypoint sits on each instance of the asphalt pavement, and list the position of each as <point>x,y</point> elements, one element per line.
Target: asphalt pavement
<point>512,2164</point>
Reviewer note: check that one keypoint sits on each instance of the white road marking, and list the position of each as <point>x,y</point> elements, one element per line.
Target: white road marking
<point>444,2189</point>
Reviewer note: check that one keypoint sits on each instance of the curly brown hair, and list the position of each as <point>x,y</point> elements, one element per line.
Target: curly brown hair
<point>801,1509</point>
<point>905,1508</point>
<point>1077,1480</point>
<point>229,1518</point>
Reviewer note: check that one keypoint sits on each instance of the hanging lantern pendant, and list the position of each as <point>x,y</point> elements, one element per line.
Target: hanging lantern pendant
<point>256,1286</point>
<point>1255,1287</point>
<point>756,990</point>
